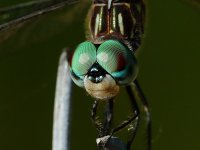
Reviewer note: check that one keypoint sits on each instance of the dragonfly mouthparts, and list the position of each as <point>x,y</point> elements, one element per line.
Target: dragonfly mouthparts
<point>96,73</point>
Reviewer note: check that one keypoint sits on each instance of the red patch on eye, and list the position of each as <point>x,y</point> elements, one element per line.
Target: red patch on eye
<point>121,62</point>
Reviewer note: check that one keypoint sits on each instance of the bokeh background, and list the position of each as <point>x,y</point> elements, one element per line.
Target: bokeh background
<point>169,76</point>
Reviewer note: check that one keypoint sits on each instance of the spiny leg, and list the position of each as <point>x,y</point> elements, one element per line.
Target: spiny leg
<point>105,134</point>
<point>108,118</point>
<point>102,128</point>
<point>94,109</point>
<point>135,109</point>
<point>134,117</point>
<point>106,140</point>
<point>98,125</point>
<point>140,100</point>
<point>145,109</point>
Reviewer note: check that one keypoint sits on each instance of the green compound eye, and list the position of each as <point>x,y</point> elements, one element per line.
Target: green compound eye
<point>112,55</point>
<point>118,61</point>
<point>84,57</point>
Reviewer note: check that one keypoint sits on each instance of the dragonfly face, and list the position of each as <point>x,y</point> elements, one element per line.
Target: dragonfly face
<point>101,68</point>
<point>106,61</point>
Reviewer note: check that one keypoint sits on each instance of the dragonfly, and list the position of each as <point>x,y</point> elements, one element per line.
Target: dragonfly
<point>107,61</point>
<point>123,31</point>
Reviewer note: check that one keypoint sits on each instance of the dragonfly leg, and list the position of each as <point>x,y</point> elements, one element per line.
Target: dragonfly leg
<point>108,118</point>
<point>145,111</point>
<point>105,132</point>
<point>134,118</point>
<point>138,99</point>
<point>139,107</point>
<point>102,128</point>
<point>135,110</point>
<point>96,121</point>
<point>126,122</point>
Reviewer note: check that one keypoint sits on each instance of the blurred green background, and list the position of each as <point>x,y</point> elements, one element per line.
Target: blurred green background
<point>169,76</point>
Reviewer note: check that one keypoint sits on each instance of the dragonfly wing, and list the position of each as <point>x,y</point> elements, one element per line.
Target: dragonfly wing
<point>40,27</point>
<point>20,13</point>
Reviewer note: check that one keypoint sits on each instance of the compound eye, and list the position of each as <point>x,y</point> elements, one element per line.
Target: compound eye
<point>84,57</point>
<point>112,55</point>
<point>117,60</point>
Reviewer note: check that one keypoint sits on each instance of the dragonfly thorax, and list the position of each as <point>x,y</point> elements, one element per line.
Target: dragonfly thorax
<point>121,20</point>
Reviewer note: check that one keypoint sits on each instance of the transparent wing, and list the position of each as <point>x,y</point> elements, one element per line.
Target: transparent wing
<point>11,16</point>
<point>32,21</point>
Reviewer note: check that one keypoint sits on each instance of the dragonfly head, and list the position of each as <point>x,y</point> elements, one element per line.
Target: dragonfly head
<point>102,68</point>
